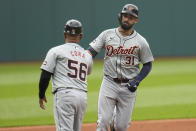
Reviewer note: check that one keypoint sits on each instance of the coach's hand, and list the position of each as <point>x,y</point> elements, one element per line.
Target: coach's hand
<point>41,102</point>
<point>132,86</point>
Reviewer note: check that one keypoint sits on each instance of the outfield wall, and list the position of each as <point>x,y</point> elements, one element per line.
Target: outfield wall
<point>28,28</point>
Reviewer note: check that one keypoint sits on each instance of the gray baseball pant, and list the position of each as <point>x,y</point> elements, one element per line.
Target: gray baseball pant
<point>113,95</point>
<point>69,109</point>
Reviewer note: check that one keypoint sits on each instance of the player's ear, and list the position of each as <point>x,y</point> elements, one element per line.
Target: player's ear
<point>136,20</point>
<point>80,36</point>
<point>65,35</point>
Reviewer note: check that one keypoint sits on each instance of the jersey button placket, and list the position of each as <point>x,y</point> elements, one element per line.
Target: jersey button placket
<point>119,75</point>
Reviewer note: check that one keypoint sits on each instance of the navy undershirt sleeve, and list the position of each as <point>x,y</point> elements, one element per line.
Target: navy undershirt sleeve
<point>144,71</point>
<point>43,83</point>
<point>92,51</point>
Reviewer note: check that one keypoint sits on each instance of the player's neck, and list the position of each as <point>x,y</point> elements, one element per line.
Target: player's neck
<point>125,33</point>
<point>71,41</point>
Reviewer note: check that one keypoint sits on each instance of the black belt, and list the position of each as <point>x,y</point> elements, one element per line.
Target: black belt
<point>117,80</point>
<point>63,88</point>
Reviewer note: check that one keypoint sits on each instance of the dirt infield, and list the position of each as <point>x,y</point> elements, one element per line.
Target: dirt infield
<point>152,125</point>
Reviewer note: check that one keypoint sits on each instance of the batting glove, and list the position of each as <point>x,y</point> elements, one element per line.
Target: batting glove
<point>132,86</point>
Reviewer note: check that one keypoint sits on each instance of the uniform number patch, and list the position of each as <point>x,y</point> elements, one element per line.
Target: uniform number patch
<point>78,73</point>
<point>130,60</point>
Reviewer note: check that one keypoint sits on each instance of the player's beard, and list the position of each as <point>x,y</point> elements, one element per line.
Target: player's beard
<point>126,26</point>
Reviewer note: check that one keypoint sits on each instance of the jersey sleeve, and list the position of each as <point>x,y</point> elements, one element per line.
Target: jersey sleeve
<point>99,42</point>
<point>145,52</point>
<point>89,61</point>
<point>50,61</point>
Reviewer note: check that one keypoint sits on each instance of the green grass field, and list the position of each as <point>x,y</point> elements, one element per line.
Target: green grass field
<point>169,92</point>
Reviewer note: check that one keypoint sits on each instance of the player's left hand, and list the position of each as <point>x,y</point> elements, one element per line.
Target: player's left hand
<point>132,86</point>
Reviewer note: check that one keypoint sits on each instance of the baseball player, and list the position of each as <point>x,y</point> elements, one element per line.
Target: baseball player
<point>124,48</point>
<point>68,64</point>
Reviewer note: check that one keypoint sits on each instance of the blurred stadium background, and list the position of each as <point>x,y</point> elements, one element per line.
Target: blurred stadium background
<point>30,27</point>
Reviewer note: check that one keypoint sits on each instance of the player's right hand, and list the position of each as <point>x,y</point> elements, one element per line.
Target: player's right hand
<point>41,102</point>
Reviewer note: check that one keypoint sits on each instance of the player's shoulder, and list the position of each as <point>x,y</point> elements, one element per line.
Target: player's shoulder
<point>56,49</point>
<point>108,31</point>
<point>111,30</point>
<point>140,38</point>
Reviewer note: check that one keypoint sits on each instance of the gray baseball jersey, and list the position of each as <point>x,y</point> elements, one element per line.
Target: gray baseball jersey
<point>70,64</point>
<point>122,58</point>
<point>122,54</point>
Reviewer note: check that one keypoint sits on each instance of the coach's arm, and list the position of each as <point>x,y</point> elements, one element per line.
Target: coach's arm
<point>43,85</point>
